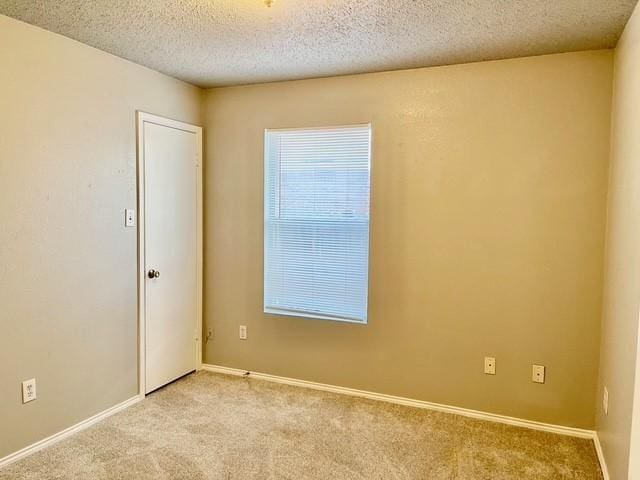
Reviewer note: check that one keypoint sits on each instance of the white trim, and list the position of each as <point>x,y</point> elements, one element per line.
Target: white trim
<point>574,432</point>
<point>492,417</point>
<point>601,459</point>
<point>142,118</point>
<point>465,412</point>
<point>33,448</point>
<point>315,316</point>
<point>323,127</point>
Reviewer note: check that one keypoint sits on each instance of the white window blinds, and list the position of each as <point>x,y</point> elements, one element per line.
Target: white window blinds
<point>316,228</point>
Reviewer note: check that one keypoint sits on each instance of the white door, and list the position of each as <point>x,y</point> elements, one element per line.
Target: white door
<point>171,247</point>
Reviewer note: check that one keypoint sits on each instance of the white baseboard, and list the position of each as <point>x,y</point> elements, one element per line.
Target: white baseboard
<point>601,459</point>
<point>14,457</point>
<point>492,417</point>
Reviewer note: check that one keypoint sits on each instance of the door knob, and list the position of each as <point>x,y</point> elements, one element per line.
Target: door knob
<point>153,274</point>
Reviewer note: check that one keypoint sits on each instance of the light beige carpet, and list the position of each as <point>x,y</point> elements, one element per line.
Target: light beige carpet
<point>209,426</point>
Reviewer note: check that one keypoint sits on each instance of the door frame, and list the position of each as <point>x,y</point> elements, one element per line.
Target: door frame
<point>141,119</point>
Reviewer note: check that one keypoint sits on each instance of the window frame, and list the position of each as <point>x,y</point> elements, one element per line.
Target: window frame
<point>303,314</point>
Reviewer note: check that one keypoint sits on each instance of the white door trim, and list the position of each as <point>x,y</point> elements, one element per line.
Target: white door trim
<point>142,118</point>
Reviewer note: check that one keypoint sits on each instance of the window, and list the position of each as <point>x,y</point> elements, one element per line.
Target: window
<point>316,222</point>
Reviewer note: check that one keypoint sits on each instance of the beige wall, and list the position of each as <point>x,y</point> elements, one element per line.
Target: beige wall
<point>622,265</point>
<point>488,204</point>
<point>67,264</point>
<point>488,210</point>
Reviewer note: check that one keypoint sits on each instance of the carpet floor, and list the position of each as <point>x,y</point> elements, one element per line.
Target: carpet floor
<point>210,426</point>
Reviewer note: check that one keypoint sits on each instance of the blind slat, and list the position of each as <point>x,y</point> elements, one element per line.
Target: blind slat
<point>316,245</point>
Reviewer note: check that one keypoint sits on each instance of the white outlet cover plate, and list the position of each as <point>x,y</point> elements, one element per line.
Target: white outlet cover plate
<point>490,365</point>
<point>243,332</point>
<point>29,390</point>
<point>130,217</point>
<point>538,373</point>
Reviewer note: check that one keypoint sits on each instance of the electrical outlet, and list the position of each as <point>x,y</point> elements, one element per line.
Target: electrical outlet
<point>605,401</point>
<point>489,365</point>
<point>243,332</point>
<point>209,333</point>
<point>129,218</point>
<point>538,373</point>
<point>29,390</point>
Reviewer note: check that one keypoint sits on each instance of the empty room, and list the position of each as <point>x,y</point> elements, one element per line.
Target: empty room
<point>320,239</point>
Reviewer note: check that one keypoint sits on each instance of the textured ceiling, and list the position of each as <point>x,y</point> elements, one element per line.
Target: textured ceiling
<point>227,42</point>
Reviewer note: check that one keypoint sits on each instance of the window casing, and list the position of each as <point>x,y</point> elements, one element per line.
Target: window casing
<point>316,222</point>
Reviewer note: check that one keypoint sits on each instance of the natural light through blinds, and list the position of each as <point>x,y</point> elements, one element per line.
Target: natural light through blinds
<point>316,227</point>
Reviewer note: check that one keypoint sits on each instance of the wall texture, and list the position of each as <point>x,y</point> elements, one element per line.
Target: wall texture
<point>67,264</point>
<point>487,229</point>
<point>621,301</point>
